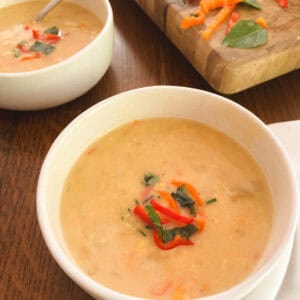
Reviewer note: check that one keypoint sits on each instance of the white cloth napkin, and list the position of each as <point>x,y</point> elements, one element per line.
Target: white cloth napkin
<point>289,136</point>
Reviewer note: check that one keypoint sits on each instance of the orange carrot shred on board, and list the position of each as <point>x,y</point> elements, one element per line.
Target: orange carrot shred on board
<point>221,17</point>
<point>171,201</point>
<point>192,191</point>
<point>262,22</point>
<point>193,20</point>
<point>208,5</point>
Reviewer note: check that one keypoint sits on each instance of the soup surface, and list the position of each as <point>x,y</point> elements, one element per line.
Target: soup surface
<point>26,45</point>
<point>132,170</point>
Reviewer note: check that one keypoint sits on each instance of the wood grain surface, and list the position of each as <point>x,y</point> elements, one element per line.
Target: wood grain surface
<point>143,56</point>
<point>231,70</point>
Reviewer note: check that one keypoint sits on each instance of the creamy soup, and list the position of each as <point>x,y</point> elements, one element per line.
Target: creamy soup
<point>211,199</point>
<point>26,45</point>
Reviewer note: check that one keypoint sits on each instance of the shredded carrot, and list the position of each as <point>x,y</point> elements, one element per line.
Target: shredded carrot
<point>262,22</point>
<point>221,17</point>
<point>208,5</point>
<point>171,201</point>
<point>193,20</point>
<point>192,191</point>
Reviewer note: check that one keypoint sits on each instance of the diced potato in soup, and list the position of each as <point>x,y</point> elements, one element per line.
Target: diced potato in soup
<point>166,209</point>
<point>26,45</point>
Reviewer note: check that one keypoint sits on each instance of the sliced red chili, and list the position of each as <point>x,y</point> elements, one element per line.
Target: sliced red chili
<point>177,241</point>
<point>141,212</point>
<point>283,3</point>
<point>36,33</point>
<point>170,213</point>
<point>51,38</point>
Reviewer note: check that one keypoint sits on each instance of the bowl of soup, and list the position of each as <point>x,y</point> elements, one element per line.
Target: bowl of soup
<point>48,63</point>
<point>167,192</point>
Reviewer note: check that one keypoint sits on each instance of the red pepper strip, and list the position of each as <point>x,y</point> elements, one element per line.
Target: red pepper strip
<point>283,3</point>
<point>177,241</point>
<point>192,191</point>
<point>23,48</point>
<point>233,19</point>
<point>141,212</point>
<point>170,213</point>
<point>51,38</point>
<point>36,55</point>
<point>36,34</point>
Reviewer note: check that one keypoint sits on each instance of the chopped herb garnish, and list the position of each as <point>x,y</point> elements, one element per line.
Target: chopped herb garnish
<point>16,52</point>
<point>147,199</point>
<point>185,231</point>
<point>129,210</point>
<point>149,227</point>
<point>122,218</point>
<point>182,197</point>
<point>167,235</point>
<point>42,47</point>
<point>142,232</point>
<point>194,15</point>
<point>150,179</point>
<point>211,201</point>
<point>52,30</point>
<point>137,202</point>
<point>155,219</point>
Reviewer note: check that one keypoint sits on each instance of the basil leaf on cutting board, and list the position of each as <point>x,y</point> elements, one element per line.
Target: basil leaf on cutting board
<point>252,3</point>
<point>246,34</point>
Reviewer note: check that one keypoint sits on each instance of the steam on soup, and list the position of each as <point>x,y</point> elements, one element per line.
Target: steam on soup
<point>26,45</point>
<point>166,209</point>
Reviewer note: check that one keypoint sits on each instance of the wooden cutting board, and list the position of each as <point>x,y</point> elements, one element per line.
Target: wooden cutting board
<point>226,69</point>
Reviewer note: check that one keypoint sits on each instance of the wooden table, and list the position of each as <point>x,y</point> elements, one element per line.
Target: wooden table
<point>143,56</point>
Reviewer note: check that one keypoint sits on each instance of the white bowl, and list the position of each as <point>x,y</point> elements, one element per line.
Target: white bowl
<point>166,101</point>
<point>64,81</point>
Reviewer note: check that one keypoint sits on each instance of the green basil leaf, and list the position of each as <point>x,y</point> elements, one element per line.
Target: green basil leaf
<point>252,3</point>
<point>154,217</point>
<point>245,34</point>
<point>182,197</point>
<point>42,47</point>
<point>52,30</point>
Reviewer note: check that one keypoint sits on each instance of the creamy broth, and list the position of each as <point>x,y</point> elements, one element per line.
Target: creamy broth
<point>78,27</point>
<point>111,244</point>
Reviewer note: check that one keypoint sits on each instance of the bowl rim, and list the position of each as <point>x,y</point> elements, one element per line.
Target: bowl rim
<point>86,282</point>
<point>70,59</point>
